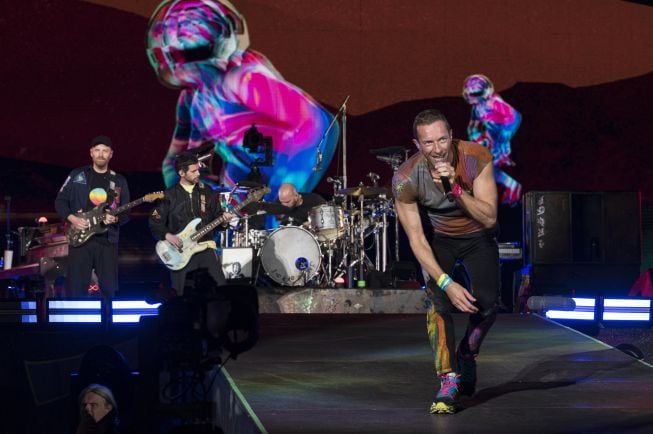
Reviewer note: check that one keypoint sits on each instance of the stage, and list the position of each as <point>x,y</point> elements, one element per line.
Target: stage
<point>373,373</point>
<point>369,370</point>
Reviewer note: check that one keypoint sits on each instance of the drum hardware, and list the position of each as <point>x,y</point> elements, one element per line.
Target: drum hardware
<point>392,156</point>
<point>374,177</point>
<point>363,190</point>
<point>267,207</point>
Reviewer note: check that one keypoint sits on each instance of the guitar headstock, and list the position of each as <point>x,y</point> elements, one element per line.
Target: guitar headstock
<point>151,197</point>
<point>258,194</point>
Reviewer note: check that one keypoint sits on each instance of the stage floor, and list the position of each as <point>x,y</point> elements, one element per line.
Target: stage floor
<point>321,373</point>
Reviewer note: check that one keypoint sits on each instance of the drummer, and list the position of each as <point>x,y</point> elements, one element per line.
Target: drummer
<point>300,205</point>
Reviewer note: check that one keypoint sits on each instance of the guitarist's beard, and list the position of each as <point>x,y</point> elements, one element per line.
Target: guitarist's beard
<point>100,165</point>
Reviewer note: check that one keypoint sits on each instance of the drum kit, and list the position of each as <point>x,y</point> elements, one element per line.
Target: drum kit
<point>345,238</point>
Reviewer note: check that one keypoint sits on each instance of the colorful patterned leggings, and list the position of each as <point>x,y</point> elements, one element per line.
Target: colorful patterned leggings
<point>474,263</point>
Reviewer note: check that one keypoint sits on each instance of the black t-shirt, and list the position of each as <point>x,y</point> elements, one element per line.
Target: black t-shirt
<point>99,192</point>
<point>300,214</point>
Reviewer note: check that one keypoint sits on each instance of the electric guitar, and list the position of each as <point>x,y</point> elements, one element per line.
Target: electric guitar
<point>177,258</point>
<point>77,237</point>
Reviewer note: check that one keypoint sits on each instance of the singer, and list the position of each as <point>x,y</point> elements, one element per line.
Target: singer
<point>461,231</point>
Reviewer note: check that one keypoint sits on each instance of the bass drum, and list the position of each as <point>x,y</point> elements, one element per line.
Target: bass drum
<point>291,256</point>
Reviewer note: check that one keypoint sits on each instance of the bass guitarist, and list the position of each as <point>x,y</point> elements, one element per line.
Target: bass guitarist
<point>189,199</point>
<point>85,188</point>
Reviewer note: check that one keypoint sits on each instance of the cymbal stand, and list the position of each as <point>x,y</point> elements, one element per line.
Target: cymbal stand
<point>384,223</point>
<point>358,243</point>
<point>395,161</point>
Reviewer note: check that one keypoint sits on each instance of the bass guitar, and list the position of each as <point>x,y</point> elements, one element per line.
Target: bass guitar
<point>77,237</point>
<point>175,258</point>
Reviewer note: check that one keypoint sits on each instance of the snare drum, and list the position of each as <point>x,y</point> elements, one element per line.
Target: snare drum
<point>291,256</point>
<point>327,221</point>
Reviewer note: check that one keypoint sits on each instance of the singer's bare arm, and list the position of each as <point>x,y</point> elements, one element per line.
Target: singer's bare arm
<point>408,214</point>
<point>482,206</point>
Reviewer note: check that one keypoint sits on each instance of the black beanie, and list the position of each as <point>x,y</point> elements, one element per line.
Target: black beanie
<point>104,140</point>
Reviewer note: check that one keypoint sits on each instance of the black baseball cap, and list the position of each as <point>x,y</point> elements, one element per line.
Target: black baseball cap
<point>103,140</point>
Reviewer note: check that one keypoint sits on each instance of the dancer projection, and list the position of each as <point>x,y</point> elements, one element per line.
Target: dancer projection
<point>201,47</point>
<point>493,123</point>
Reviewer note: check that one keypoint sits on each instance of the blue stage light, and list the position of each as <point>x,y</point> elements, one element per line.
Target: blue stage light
<point>626,309</point>
<point>18,312</point>
<point>585,311</point>
<point>131,311</point>
<point>74,311</point>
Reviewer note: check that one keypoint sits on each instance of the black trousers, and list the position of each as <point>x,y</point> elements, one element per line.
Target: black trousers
<point>96,254</point>
<point>479,257</point>
<point>207,259</point>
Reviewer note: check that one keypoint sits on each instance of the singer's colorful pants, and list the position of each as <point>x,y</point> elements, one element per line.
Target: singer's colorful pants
<point>472,261</point>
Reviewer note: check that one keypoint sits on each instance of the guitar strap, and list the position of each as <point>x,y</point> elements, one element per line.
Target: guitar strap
<point>113,193</point>
<point>202,200</point>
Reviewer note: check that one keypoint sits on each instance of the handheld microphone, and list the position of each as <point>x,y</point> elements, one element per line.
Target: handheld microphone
<point>540,303</point>
<point>447,188</point>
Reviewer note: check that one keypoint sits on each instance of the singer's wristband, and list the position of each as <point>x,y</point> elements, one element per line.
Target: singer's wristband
<point>457,191</point>
<point>444,281</point>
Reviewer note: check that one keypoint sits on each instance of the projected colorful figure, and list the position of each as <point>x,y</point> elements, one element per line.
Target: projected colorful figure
<point>201,47</point>
<point>493,123</point>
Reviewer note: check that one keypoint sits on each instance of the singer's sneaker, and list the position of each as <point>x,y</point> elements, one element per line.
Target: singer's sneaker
<point>446,401</point>
<point>467,369</point>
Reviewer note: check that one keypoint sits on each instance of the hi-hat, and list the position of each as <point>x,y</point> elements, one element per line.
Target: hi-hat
<point>363,190</point>
<point>269,207</point>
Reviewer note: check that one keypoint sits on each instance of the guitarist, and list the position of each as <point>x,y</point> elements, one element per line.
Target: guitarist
<point>186,200</point>
<point>85,188</point>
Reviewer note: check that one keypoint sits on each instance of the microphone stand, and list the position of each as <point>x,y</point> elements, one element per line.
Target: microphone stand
<point>343,110</point>
<point>8,253</point>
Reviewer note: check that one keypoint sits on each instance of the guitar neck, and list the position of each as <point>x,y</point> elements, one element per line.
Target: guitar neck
<point>126,206</point>
<point>215,223</point>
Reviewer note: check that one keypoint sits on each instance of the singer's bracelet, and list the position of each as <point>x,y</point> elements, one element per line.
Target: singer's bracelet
<point>444,281</point>
<point>457,191</point>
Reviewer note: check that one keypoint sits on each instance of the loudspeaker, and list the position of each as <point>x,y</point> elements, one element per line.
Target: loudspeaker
<point>582,243</point>
<point>237,263</point>
<point>582,228</point>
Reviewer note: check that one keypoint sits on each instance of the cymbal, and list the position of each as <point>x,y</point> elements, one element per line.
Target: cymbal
<point>387,151</point>
<point>269,207</point>
<point>363,190</point>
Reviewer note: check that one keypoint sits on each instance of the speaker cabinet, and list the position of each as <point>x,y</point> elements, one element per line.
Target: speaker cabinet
<point>582,228</point>
<point>582,243</point>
